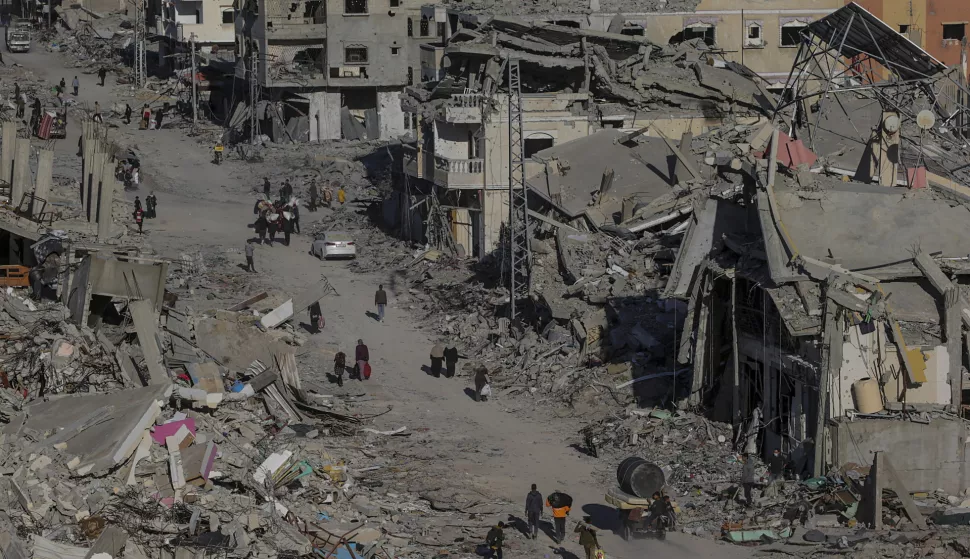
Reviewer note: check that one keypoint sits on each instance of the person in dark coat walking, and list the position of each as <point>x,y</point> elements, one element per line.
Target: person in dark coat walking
<point>340,367</point>
<point>127,113</point>
<point>271,227</point>
<point>482,388</point>
<point>316,316</point>
<point>295,210</point>
<point>287,230</point>
<point>361,358</point>
<point>151,202</point>
<point>451,359</point>
<point>102,73</point>
<point>437,358</point>
<point>260,227</point>
<point>380,300</point>
<point>137,203</point>
<point>266,187</point>
<point>533,511</point>
<point>495,540</point>
<point>313,197</point>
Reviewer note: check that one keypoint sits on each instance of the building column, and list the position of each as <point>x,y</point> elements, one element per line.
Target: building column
<point>390,113</point>
<point>21,172</point>
<point>324,115</point>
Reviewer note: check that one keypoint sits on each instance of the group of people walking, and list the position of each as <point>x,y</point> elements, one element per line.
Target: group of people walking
<point>148,212</point>
<point>361,369</point>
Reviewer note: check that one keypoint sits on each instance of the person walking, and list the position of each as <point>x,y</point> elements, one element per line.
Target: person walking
<point>127,114</point>
<point>482,387</point>
<point>587,537</point>
<point>495,540</point>
<point>341,195</point>
<point>151,202</point>
<point>327,197</point>
<point>137,203</point>
<point>362,359</point>
<point>260,227</point>
<point>533,511</point>
<point>316,316</point>
<point>295,210</point>
<point>380,300</point>
<point>747,478</point>
<point>340,367</point>
<point>437,357</point>
<point>21,106</point>
<point>160,114</point>
<point>102,73</point>
<point>559,515</point>
<point>77,85</point>
<point>146,117</point>
<point>35,117</point>
<point>271,227</point>
<point>62,86</point>
<point>139,219</point>
<point>451,359</point>
<point>266,188</point>
<point>287,230</point>
<point>313,197</point>
<point>97,112</point>
<point>250,254</point>
<point>776,471</point>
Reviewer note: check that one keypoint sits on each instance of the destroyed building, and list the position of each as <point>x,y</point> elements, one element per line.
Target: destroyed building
<point>826,304</point>
<point>460,163</point>
<point>212,22</point>
<point>327,69</point>
<point>761,34</point>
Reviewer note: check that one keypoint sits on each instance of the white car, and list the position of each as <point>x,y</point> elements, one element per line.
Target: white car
<point>333,244</point>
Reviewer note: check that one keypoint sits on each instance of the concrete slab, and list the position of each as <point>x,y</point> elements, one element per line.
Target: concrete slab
<point>143,317</point>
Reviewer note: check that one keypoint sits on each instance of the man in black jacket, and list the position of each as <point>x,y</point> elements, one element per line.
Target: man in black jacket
<point>533,510</point>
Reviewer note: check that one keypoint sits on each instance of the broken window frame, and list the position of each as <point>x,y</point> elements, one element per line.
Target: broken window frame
<point>949,28</point>
<point>709,34</point>
<point>754,42</point>
<point>797,26</point>
<point>358,50</point>
<point>355,7</point>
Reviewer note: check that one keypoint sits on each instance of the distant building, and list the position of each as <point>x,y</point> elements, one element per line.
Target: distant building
<point>212,22</point>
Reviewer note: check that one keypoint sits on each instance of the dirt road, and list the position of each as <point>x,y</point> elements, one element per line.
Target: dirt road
<point>495,445</point>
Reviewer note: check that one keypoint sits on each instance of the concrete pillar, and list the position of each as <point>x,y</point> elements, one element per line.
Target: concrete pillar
<point>97,172</point>
<point>105,198</point>
<point>7,151</point>
<point>324,115</point>
<point>21,172</point>
<point>87,155</point>
<point>45,171</point>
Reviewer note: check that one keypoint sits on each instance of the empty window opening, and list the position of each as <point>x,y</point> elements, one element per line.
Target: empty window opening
<point>227,17</point>
<point>754,35</point>
<point>355,6</point>
<point>410,75</point>
<point>754,32</point>
<point>634,31</point>
<point>395,51</point>
<point>355,55</point>
<point>410,27</point>
<point>535,145</point>
<point>954,31</point>
<point>395,3</point>
<point>904,29</point>
<point>425,24</point>
<point>791,34</point>
<point>701,31</point>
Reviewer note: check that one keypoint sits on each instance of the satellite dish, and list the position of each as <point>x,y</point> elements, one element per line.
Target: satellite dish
<point>891,124</point>
<point>925,119</point>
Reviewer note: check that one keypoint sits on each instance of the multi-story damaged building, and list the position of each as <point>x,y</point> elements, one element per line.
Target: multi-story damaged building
<point>574,82</point>
<point>330,69</point>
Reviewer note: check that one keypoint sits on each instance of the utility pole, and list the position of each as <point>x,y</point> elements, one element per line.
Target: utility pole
<point>253,97</point>
<point>195,102</point>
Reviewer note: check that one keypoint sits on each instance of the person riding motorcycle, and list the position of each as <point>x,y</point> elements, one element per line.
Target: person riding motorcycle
<point>660,508</point>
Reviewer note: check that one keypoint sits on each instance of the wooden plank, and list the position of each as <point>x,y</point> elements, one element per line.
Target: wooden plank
<point>884,467</point>
<point>243,305</point>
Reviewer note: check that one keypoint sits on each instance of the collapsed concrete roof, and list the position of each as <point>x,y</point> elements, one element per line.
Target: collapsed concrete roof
<point>612,67</point>
<point>574,172</point>
<point>570,7</point>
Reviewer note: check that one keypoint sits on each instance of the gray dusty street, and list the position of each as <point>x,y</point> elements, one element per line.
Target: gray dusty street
<point>494,446</point>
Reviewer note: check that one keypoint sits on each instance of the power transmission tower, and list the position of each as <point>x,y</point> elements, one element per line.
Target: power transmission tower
<point>520,257</point>
<point>141,71</point>
<point>253,97</point>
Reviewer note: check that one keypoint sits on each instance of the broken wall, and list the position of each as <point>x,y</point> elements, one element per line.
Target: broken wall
<point>390,112</point>
<point>926,456</point>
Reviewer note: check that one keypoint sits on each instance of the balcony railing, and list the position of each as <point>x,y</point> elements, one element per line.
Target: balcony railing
<point>460,166</point>
<point>464,108</point>
<point>467,100</point>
